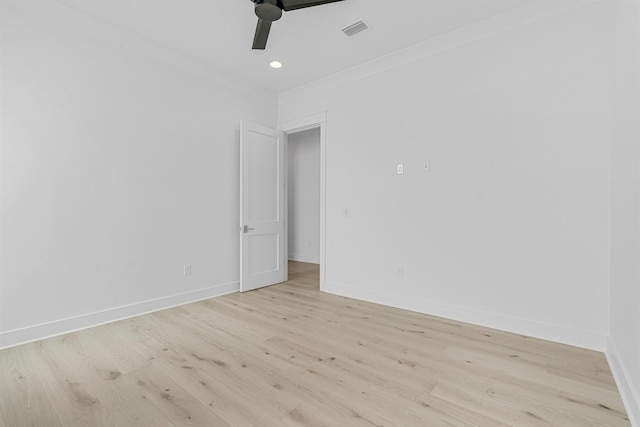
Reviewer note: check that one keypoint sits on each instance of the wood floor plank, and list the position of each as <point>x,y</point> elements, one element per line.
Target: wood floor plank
<point>289,355</point>
<point>528,377</point>
<point>176,404</point>
<point>23,400</point>
<point>209,382</point>
<point>111,344</point>
<point>126,407</point>
<point>308,415</point>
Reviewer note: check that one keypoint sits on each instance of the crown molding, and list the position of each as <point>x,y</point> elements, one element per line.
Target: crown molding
<point>529,14</point>
<point>62,15</point>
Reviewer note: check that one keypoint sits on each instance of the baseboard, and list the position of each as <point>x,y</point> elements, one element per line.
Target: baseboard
<point>560,334</point>
<point>629,391</point>
<point>63,326</point>
<point>304,258</point>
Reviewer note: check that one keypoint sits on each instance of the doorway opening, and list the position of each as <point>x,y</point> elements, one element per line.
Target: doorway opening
<point>305,195</point>
<point>304,274</point>
<point>303,201</point>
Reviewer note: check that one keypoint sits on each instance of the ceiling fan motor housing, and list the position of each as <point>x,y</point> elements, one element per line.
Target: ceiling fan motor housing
<point>268,10</point>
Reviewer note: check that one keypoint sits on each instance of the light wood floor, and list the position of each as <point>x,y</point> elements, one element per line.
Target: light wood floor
<point>289,355</point>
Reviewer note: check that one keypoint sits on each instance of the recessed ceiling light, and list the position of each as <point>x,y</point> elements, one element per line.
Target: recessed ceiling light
<point>275,64</point>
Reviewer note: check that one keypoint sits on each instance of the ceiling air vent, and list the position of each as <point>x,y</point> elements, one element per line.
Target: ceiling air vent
<point>354,29</point>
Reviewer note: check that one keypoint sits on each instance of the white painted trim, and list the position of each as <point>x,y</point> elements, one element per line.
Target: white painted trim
<point>285,213</point>
<point>71,324</point>
<point>318,120</point>
<point>251,281</point>
<point>529,14</point>
<point>312,259</point>
<point>629,392</point>
<point>556,333</point>
<point>303,123</point>
<point>68,16</point>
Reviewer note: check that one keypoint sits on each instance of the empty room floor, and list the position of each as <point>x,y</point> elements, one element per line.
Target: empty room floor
<point>289,355</point>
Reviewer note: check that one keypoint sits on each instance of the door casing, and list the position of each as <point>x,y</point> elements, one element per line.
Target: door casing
<point>289,127</point>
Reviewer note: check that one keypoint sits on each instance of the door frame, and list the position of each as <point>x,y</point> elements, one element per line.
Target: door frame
<point>288,127</point>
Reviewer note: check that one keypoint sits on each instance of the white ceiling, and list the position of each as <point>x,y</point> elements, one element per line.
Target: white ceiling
<point>309,41</point>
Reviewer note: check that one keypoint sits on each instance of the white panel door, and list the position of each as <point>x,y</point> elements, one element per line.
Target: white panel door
<point>262,206</point>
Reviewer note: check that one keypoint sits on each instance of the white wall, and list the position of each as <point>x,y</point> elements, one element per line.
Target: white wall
<point>117,169</point>
<point>304,196</point>
<point>510,228</point>
<point>624,343</point>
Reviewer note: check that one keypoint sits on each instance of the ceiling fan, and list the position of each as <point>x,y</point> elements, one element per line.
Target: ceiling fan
<point>269,11</point>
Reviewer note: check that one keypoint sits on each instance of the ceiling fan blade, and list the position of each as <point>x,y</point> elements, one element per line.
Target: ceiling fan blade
<point>300,4</point>
<point>262,34</point>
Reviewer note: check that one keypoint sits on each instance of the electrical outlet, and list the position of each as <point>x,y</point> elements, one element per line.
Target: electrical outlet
<point>399,271</point>
<point>187,270</point>
<point>400,168</point>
